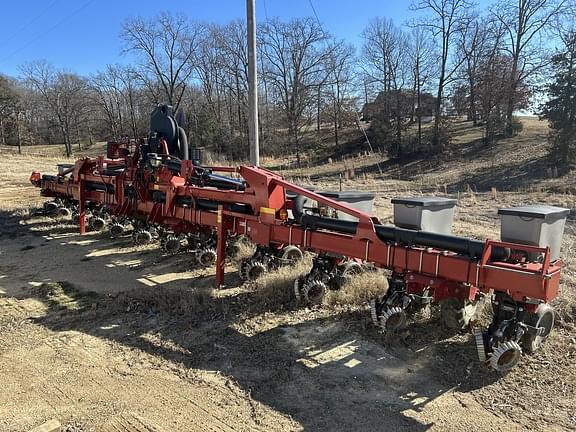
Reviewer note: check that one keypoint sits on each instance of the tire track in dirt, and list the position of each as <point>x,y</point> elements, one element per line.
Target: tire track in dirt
<point>57,386</point>
<point>128,422</point>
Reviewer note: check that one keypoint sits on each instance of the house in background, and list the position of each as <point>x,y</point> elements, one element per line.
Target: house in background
<point>388,102</point>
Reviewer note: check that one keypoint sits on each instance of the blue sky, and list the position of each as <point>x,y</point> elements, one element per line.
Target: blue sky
<point>82,35</point>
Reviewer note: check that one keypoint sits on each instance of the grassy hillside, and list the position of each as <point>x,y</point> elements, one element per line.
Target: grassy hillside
<point>520,163</point>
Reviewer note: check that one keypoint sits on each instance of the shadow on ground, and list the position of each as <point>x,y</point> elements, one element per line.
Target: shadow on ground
<point>327,370</point>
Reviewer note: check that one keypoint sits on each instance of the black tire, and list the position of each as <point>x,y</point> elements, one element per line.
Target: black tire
<point>351,269</point>
<point>292,255</point>
<point>345,274</point>
<point>183,144</point>
<point>64,212</point>
<point>543,317</point>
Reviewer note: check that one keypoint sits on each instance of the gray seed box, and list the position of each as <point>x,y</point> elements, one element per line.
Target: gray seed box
<point>536,225</point>
<point>363,201</point>
<point>431,214</point>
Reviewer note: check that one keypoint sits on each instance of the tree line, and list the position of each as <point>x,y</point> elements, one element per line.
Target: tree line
<point>449,58</point>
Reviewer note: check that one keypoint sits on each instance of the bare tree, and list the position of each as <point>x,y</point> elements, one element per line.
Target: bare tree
<point>222,70</point>
<point>294,56</point>
<point>492,83</point>
<point>210,72</point>
<point>525,22</point>
<point>63,93</point>
<point>472,46</point>
<point>9,101</point>
<point>421,51</point>
<point>341,68</point>
<point>131,93</point>
<point>167,47</point>
<point>445,19</point>
<point>381,38</point>
<point>233,45</point>
<point>106,87</point>
<point>385,61</point>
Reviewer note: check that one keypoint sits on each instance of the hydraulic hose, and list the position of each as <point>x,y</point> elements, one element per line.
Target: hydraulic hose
<point>407,237</point>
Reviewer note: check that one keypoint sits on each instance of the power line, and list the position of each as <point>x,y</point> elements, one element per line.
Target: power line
<point>324,32</point>
<point>29,23</point>
<point>54,27</point>
<point>315,14</point>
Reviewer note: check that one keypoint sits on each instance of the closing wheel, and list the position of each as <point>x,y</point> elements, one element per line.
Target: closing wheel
<point>505,356</point>
<point>291,255</point>
<point>298,283</point>
<point>374,313</point>
<point>256,270</point>
<point>456,314</point>
<point>393,319</point>
<point>116,230</point>
<point>64,212</point>
<point>206,257</point>
<point>97,223</point>
<point>142,237</point>
<point>542,318</point>
<point>313,291</point>
<point>50,207</point>
<point>480,346</point>
<point>243,269</point>
<point>171,244</point>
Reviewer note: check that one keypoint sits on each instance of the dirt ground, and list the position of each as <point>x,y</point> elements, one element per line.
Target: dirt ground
<point>104,336</point>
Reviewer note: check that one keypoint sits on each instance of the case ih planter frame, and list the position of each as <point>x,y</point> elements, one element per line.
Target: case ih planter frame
<point>161,195</point>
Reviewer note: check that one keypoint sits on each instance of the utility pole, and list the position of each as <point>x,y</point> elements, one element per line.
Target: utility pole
<point>252,84</point>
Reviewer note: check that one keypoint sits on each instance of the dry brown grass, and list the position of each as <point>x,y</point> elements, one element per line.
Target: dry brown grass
<point>245,249</point>
<point>171,300</point>
<point>56,150</point>
<point>275,289</point>
<point>17,192</point>
<point>360,290</point>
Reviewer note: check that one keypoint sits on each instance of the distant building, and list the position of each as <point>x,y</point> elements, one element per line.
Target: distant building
<point>408,102</point>
<point>448,109</point>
